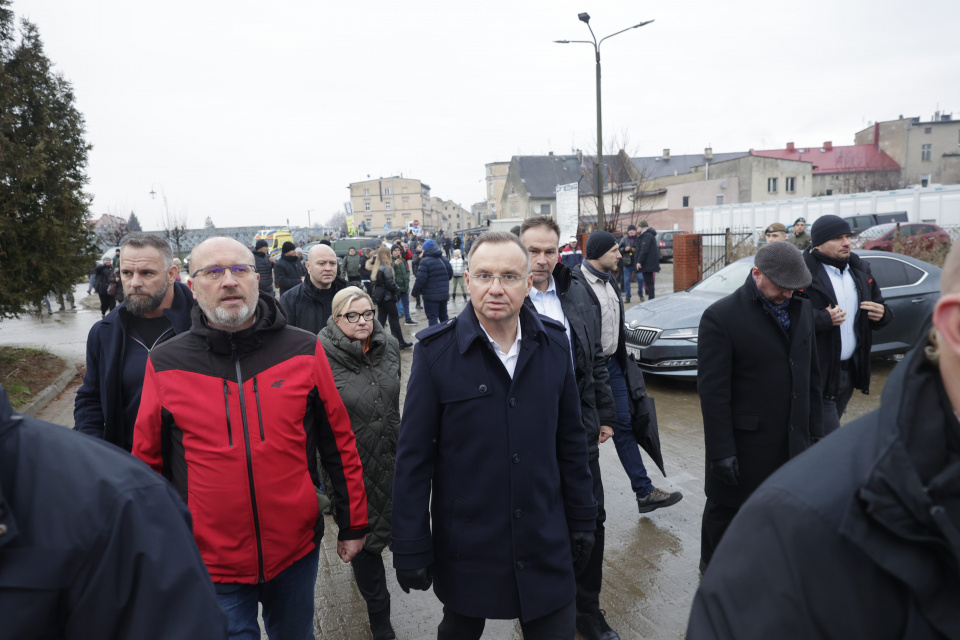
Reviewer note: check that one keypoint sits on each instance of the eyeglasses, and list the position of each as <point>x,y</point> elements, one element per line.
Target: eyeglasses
<point>506,280</point>
<point>353,317</point>
<point>215,273</point>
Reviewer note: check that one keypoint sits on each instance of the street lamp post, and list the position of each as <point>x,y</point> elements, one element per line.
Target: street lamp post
<point>598,173</point>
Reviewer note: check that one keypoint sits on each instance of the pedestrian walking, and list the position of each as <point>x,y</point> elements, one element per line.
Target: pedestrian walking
<point>402,275</point>
<point>386,292</point>
<point>247,467</point>
<point>264,264</point>
<point>309,304</point>
<point>629,245</point>
<point>857,538</point>
<point>105,286</point>
<point>647,260</point>
<point>759,385</point>
<point>366,367</point>
<point>848,307</point>
<point>287,271</point>
<point>433,282</point>
<point>562,295</point>
<point>493,500</point>
<point>92,544</point>
<point>157,309</point>
<point>603,254</point>
<point>458,266</point>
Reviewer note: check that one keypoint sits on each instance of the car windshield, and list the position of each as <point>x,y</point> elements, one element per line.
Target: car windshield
<point>727,280</point>
<point>877,231</point>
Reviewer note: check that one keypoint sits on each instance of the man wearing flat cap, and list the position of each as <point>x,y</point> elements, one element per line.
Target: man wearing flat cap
<point>759,384</point>
<point>848,307</point>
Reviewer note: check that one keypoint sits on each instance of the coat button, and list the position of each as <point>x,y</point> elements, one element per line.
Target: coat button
<point>518,513</point>
<point>483,388</point>
<point>520,565</point>
<point>513,402</point>
<point>373,384</point>
<point>516,458</point>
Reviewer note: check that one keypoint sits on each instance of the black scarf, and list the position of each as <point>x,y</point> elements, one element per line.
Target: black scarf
<point>602,275</point>
<point>833,262</point>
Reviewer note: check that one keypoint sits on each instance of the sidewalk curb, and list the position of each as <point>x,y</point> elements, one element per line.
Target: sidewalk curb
<point>47,395</point>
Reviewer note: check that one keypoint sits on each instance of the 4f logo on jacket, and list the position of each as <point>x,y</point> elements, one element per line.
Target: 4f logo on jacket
<point>277,384</point>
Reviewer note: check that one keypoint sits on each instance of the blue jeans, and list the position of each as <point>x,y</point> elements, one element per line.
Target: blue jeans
<point>287,603</point>
<point>623,438</point>
<point>436,311</point>
<point>629,273</point>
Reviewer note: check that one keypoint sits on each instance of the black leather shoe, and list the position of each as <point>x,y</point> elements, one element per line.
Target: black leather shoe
<point>405,345</point>
<point>595,627</point>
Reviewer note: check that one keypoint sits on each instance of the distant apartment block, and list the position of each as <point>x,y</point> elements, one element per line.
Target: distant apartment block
<point>927,152</point>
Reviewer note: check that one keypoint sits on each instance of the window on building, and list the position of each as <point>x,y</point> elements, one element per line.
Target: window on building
<point>366,192</point>
<point>387,204</point>
<point>928,129</point>
<point>829,192</point>
<point>719,198</point>
<point>366,206</point>
<point>772,185</point>
<point>791,184</point>
<point>490,188</point>
<point>686,201</point>
<point>925,180</point>
<point>545,209</point>
<point>386,191</point>
<point>926,151</point>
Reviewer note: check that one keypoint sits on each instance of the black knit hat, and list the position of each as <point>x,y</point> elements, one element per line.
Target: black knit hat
<point>260,244</point>
<point>599,243</point>
<point>827,228</point>
<point>782,264</point>
<point>631,228</point>
<point>287,247</point>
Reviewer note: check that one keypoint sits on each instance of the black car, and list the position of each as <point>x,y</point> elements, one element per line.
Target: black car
<point>666,244</point>
<point>662,333</point>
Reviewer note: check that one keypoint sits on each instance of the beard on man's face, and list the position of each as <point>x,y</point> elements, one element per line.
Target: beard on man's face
<point>140,304</point>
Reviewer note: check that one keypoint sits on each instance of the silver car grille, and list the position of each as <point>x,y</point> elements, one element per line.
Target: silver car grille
<point>643,336</point>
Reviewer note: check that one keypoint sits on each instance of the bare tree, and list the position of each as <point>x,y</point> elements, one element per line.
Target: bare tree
<point>174,225</point>
<point>338,221</point>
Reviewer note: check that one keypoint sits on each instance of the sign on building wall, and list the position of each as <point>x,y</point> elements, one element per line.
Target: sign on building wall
<point>568,201</point>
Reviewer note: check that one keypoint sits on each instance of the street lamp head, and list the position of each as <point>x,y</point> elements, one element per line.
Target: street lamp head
<point>637,26</point>
<point>153,194</point>
<point>562,41</point>
<point>584,17</point>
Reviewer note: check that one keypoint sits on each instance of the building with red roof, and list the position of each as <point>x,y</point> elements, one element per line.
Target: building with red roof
<point>848,169</point>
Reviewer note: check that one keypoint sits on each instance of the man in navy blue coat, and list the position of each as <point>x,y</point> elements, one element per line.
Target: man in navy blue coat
<point>156,308</point>
<point>493,497</point>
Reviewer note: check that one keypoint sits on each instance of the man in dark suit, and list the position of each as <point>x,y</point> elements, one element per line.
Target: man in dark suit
<point>493,498</point>
<point>759,384</point>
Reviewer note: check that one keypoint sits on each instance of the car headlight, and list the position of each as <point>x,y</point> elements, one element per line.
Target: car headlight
<point>680,334</point>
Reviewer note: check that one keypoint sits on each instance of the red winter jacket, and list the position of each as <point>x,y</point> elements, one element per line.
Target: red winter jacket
<point>244,456</point>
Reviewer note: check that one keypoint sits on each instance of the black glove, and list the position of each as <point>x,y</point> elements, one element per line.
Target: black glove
<point>581,544</point>
<point>726,470</point>
<point>419,579</point>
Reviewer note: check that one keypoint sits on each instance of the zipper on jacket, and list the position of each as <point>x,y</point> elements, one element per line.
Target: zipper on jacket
<point>256,394</point>
<point>246,444</point>
<point>226,405</point>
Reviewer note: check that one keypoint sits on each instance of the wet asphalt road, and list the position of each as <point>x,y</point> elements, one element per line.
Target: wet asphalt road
<point>650,564</point>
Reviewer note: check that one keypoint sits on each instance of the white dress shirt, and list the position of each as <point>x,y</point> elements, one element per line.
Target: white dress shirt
<point>509,359</point>
<point>548,304</point>
<point>847,298</point>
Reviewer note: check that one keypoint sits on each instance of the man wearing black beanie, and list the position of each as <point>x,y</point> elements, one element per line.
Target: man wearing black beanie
<point>848,307</point>
<point>288,271</point>
<point>602,256</point>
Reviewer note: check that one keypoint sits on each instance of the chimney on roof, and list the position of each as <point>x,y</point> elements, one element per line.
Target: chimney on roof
<point>666,154</point>
<point>579,156</point>
<point>827,146</point>
<point>550,154</point>
<point>789,146</point>
<point>708,154</point>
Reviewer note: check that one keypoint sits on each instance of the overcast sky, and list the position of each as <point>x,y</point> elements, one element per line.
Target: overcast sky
<point>253,113</point>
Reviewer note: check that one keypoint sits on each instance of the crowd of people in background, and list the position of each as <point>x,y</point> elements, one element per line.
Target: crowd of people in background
<point>265,393</point>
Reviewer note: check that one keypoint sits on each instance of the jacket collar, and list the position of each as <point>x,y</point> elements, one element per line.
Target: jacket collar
<point>268,319</point>
<point>468,327</point>
<point>350,352</point>
<point>562,276</point>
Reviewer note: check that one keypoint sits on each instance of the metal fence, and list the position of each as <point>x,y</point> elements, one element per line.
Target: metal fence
<point>720,249</point>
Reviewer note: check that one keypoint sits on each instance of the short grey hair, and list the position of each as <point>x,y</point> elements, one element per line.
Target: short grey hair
<point>498,237</point>
<point>143,240</point>
<point>345,298</point>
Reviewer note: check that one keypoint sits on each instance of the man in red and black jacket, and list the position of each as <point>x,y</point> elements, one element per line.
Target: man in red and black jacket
<point>233,413</point>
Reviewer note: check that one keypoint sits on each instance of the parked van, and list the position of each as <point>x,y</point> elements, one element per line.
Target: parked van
<point>275,238</point>
<point>866,220</point>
